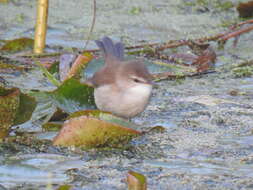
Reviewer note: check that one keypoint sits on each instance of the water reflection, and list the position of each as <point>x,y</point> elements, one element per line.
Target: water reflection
<point>199,167</point>
<point>37,169</point>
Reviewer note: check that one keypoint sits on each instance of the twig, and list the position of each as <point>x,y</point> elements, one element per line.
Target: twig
<point>92,24</point>
<point>241,23</point>
<point>170,59</point>
<point>129,47</point>
<point>143,46</point>
<point>176,43</point>
<point>236,33</point>
<point>172,76</point>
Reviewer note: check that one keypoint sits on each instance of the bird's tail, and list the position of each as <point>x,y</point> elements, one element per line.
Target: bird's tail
<point>111,49</point>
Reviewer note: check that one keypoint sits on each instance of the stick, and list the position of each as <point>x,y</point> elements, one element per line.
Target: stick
<point>41,26</point>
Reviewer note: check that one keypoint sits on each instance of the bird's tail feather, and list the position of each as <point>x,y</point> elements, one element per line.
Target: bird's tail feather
<point>109,48</point>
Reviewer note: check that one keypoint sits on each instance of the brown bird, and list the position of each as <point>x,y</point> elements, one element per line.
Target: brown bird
<point>121,87</point>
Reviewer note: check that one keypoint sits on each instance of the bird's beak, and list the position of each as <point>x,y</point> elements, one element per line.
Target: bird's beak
<point>155,85</point>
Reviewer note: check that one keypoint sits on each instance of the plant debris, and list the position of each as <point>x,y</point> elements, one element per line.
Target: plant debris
<point>245,10</point>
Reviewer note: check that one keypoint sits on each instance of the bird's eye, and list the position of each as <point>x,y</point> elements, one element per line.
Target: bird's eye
<point>137,80</point>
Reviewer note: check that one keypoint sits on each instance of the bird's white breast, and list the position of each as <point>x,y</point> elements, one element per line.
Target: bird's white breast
<point>138,91</point>
<point>126,102</point>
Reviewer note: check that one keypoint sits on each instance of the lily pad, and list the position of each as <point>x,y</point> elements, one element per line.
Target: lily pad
<point>45,109</point>
<point>11,67</point>
<point>103,115</point>
<point>52,126</point>
<point>136,181</point>
<point>9,102</point>
<point>73,96</point>
<point>15,108</point>
<point>25,110</point>
<point>65,187</point>
<point>90,132</point>
<point>16,45</point>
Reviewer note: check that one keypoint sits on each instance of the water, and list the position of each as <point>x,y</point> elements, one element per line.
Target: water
<point>207,142</point>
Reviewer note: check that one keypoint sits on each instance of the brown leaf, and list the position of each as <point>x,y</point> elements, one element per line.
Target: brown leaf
<point>105,116</point>
<point>206,60</point>
<point>65,63</point>
<point>245,10</point>
<point>90,132</point>
<point>79,64</point>
<point>198,47</point>
<point>136,181</point>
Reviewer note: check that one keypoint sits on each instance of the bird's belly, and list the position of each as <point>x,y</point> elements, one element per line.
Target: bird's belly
<point>125,104</point>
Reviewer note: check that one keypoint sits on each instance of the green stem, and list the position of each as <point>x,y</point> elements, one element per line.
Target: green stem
<point>49,76</point>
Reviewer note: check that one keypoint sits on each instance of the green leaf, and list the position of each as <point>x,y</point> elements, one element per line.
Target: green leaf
<point>73,96</point>
<point>16,45</point>
<point>15,108</point>
<point>52,126</point>
<point>49,76</point>
<point>45,108</point>
<point>25,110</point>
<point>135,10</point>
<point>64,187</point>
<point>9,102</point>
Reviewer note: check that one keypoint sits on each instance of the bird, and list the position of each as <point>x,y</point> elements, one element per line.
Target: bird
<point>120,87</point>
